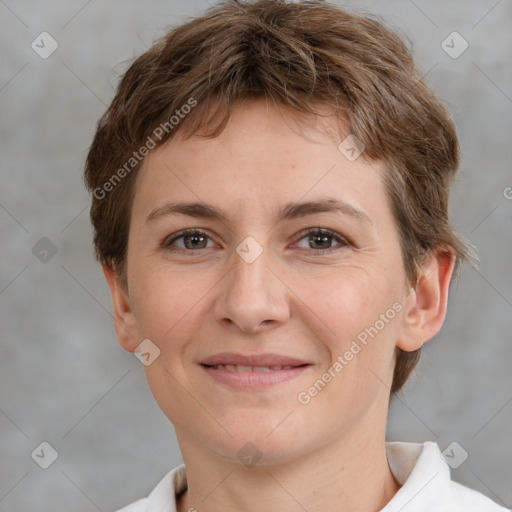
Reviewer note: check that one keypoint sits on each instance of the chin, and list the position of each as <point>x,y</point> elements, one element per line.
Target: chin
<point>268,442</point>
<point>256,453</point>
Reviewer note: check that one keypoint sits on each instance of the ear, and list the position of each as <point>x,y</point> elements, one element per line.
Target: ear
<point>426,304</point>
<point>124,320</point>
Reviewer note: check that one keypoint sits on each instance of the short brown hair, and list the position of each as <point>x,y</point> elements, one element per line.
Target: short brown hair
<point>299,55</point>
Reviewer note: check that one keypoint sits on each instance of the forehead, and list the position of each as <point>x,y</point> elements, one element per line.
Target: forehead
<point>259,121</point>
<point>262,156</point>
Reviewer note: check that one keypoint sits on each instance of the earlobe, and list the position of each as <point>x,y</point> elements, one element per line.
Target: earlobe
<point>124,320</point>
<point>426,305</point>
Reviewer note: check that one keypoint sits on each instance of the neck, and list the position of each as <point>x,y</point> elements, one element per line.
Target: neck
<point>351,473</point>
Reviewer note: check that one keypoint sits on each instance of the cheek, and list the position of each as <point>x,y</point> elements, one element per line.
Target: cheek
<point>348,302</point>
<point>167,302</point>
<point>360,318</point>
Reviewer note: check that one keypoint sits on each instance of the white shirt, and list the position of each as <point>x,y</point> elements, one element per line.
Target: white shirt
<point>420,469</point>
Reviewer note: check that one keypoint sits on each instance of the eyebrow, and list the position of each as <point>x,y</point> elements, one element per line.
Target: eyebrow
<point>289,211</point>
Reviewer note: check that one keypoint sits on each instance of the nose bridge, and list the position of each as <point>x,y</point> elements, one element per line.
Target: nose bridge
<point>250,272</point>
<point>252,295</point>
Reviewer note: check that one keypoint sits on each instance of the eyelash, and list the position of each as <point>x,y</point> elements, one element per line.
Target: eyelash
<point>343,242</point>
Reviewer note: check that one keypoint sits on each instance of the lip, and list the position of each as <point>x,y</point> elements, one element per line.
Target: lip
<point>249,379</point>
<point>252,360</point>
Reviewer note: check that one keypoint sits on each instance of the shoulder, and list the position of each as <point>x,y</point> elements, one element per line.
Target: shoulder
<point>137,506</point>
<point>426,483</point>
<point>466,499</point>
<point>163,496</point>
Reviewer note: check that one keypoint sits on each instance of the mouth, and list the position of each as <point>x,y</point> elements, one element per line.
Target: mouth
<point>253,372</point>
<point>243,368</point>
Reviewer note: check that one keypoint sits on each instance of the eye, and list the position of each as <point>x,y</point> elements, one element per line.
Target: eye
<point>321,240</point>
<point>318,239</point>
<point>191,240</point>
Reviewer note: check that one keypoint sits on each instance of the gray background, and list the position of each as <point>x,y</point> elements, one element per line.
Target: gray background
<point>64,378</point>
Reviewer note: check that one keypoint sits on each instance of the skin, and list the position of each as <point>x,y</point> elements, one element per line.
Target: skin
<point>193,303</point>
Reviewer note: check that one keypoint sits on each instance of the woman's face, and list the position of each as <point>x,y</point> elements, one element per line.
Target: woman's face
<point>303,323</point>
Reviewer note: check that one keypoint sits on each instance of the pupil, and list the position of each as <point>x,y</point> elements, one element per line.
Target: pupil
<point>324,239</point>
<point>195,241</point>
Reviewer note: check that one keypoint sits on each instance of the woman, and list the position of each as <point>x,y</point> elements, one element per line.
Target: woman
<point>270,203</point>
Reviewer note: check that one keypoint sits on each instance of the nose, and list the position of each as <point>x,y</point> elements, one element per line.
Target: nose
<point>252,298</point>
